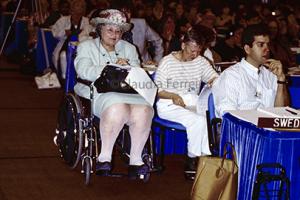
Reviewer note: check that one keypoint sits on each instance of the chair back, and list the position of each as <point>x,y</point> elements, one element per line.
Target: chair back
<point>271,182</point>
<point>213,124</point>
<point>211,107</point>
<point>70,71</point>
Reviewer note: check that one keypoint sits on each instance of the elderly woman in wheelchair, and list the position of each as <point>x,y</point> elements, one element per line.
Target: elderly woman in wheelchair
<point>113,108</point>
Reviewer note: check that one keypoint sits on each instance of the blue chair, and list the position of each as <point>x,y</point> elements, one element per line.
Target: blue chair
<point>294,90</point>
<point>169,138</point>
<point>270,175</point>
<point>213,126</point>
<point>70,71</point>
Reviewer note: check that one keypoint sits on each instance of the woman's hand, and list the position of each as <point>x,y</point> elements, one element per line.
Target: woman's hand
<point>122,61</point>
<point>177,100</point>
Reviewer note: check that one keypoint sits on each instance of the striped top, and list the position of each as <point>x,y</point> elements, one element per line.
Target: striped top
<point>182,77</point>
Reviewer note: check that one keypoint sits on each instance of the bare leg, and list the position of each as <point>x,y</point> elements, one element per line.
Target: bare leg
<point>112,121</point>
<point>139,127</point>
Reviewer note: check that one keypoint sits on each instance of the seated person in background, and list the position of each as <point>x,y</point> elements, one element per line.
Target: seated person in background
<point>141,34</point>
<point>230,48</point>
<point>255,81</point>
<point>171,42</point>
<point>278,48</point>
<point>210,39</point>
<point>57,11</point>
<point>178,77</point>
<point>66,27</point>
<point>114,109</point>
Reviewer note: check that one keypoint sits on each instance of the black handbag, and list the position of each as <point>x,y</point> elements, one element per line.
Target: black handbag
<point>112,79</point>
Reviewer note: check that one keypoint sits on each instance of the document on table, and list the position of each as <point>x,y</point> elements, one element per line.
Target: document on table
<point>281,112</point>
<point>253,115</point>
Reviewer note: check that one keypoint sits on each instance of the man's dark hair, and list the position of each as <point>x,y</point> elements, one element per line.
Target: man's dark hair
<point>251,31</point>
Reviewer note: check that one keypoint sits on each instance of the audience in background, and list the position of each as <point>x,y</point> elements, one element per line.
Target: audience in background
<point>62,9</point>
<point>230,48</point>
<point>141,35</point>
<point>278,48</point>
<point>74,25</point>
<point>171,42</point>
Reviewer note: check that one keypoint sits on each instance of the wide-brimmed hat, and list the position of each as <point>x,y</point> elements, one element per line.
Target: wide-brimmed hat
<point>112,16</point>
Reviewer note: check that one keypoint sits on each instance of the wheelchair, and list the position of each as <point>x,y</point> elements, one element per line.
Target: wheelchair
<point>77,130</point>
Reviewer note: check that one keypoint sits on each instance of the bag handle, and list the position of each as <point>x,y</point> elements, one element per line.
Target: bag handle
<point>234,159</point>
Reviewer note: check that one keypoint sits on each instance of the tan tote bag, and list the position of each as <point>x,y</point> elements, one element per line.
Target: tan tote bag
<point>216,177</point>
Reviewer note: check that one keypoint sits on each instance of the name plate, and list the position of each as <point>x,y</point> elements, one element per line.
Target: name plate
<point>279,123</point>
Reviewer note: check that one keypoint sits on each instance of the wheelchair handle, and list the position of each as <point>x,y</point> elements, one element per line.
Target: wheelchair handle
<point>270,165</point>
<point>85,82</point>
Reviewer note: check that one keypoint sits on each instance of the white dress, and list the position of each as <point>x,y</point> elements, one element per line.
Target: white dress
<point>90,61</point>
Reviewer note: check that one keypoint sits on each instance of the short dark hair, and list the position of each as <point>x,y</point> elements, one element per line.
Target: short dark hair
<point>251,31</point>
<point>232,29</point>
<point>193,36</point>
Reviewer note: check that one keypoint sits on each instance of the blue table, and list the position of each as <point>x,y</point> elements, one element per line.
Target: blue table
<point>40,55</point>
<point>294,90</point>
<point>256,145</point>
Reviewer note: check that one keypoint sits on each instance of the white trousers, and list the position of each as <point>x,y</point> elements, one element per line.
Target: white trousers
<point>195,124</point>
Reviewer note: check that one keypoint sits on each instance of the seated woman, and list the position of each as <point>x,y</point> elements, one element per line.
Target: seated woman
<point>67,26</point>
<point>114,109</point>
<point>178,77</point>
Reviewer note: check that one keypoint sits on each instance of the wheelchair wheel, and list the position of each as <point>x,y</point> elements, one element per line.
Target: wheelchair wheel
<point>87,169</point>
<point>69,130</point>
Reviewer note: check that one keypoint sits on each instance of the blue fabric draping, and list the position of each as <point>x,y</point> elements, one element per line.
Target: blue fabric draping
<point>40,55</point>
<point>254,146</point>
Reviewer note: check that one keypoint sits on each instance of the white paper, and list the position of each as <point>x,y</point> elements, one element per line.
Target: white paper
<point>140,81</point>
<point>253,115</point>
<point>282,112</point>
<point>248,115</point>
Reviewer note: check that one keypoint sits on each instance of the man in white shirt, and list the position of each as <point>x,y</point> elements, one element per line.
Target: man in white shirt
<point>256,81</point>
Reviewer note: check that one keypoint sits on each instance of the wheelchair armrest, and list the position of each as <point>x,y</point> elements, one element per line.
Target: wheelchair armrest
<point>85,82</point>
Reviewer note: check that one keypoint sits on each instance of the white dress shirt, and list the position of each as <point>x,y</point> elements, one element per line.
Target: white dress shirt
<point>243,86</point>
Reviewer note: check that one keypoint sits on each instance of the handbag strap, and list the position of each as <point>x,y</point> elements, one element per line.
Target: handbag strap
<point>234,159</point>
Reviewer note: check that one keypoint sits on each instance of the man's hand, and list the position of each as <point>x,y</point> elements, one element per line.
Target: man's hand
<point>275,67</point>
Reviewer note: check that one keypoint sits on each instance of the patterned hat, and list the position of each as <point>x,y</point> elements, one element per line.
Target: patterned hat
<point>112,16</point>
